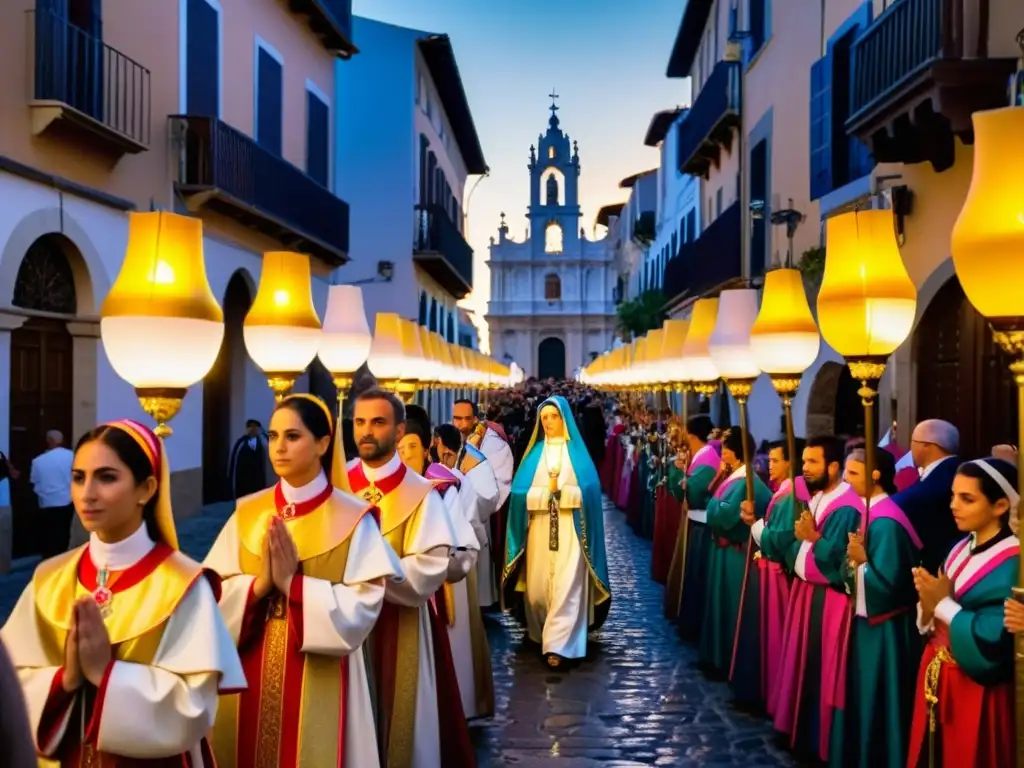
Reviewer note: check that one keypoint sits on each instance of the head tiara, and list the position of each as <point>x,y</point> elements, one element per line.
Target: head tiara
<point>317,401</point>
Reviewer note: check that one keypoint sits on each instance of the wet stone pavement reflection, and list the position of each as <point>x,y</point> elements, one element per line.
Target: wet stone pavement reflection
<point>638,700</point>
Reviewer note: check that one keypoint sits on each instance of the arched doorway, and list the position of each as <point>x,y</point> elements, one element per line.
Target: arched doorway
<point>226,377</point>
<point>833,405</point>
<point>551,359</point>
<point>962,375</point>
<point>42,373</point>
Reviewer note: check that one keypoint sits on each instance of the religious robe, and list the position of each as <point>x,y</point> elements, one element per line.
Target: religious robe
<point>490,440</point>
<point>667,516</point>
<point>563,573</point>
<point>414,521</point>
<point>480,475</point>
<point>967,667</point>
<point>870,725</point>
<point>458,600</point>
<point>816,621</point>
<point>684,592</point>
<point>776,540</point>
<point>626,471</point>
<point>308,701</point>
<point>248,465</point>
<point>727,568</point>
<point>172,656</point>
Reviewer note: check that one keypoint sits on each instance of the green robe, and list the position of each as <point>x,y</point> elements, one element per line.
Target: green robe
<point>691,603</point>
<point>778,540</point>
<point>726,567</point>
<point>882,661</point>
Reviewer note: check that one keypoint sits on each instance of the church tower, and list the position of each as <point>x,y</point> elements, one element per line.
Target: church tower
<point>554,211</point>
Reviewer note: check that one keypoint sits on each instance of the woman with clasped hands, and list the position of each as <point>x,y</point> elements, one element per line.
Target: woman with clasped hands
<point>119,644</point>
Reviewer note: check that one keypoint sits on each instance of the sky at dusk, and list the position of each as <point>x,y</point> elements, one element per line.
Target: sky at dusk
<point>605,59</point>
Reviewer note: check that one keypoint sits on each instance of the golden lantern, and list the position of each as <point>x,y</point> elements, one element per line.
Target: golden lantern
<point>673,364</point>
<point>988,255</point>
<point>785,343</point>
<point>388,361</point>
<point>160,323</point>
<point>696,348</point>
<point>654,373</point>
<point>282,330</point>
<point>345,341</point>
<point>866,306</point>
<point>428,369</point>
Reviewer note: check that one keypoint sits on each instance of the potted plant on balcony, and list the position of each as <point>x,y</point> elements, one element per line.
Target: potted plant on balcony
<point>640,315</point>
<point>643,229</point>
<point>812,267</point>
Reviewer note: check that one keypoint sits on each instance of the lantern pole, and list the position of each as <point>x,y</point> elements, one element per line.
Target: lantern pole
<point>868,371</point>
<point>786,388</point>
<point>740,390</point>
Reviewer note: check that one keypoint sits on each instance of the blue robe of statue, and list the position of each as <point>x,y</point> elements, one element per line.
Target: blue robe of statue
<point>560,567</point>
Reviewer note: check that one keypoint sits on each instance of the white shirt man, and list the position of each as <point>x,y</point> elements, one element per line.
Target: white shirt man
<point>50,476</point>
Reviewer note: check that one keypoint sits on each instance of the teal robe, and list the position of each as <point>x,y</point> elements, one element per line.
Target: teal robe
<point>691,603</point>
<point>884,653</point>
<point>588,521</point>
<point>728,542</point>
<point>778,540</point>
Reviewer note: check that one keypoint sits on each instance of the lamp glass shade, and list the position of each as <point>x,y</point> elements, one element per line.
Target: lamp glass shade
<point>429,368</point>
<point>730,342</point>
<point>653,373</point>
<point>696,348</point>
<point>867,300</point>
<point>386,359</point>
<point>639,365</point>
<point>784,338</point>
<point>673,365</point>
<point>282,331</point>
<point>345,341</point>
<point>162,293</point>
<point>988,237</point>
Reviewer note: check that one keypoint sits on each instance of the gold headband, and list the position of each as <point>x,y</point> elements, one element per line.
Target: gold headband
<point>339,472</point>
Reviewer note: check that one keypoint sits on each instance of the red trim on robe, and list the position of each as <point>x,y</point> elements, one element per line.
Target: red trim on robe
<point>57,703</point>
<point>975,722</point>
<point>92,728</point>
<point>358,481</point>
<point>253,607</point>
<point>88,572</point>
<point>300,508</point>
<point>456,746</point>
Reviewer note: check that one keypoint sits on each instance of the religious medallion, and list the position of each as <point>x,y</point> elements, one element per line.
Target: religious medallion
<point>373,495</point>
<point>102,595</point>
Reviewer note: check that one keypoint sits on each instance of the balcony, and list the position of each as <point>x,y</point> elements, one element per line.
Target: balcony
<point>329,20</point>
<point>222,170</point>
<point>441,250</point>
<point>918,75</point>
<point>712,260</point>
<point>86,91</point>
<point>709,124</point>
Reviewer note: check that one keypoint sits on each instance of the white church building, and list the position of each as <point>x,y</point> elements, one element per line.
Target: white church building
<point>551,308</point>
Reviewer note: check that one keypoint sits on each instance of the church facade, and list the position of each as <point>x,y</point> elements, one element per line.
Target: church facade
<point>551,308</point>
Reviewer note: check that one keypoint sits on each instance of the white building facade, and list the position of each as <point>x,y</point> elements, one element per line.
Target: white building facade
<point>551,308</point>
<point>403,155</point>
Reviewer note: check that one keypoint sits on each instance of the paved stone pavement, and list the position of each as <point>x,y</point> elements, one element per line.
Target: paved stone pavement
<point>637,700</point>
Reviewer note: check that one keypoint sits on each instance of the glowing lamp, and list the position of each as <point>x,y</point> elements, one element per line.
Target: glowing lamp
<point>345,341</point>
<point>672,362</point>
<point>282,331</point>
<point>988,237</point>
<point>162,295</point>
<point>729,345</point>
<point>696,349</point>
<point>428,369</point>
<point>386,359</point>
<point>653,375</point>
<point>867,301</point>
<point>784,339</point>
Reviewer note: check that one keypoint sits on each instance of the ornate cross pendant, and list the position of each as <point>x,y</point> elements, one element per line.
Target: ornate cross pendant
<point>373,495</point>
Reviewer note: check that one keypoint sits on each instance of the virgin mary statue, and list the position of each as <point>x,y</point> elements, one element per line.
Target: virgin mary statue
<point>554,551</point>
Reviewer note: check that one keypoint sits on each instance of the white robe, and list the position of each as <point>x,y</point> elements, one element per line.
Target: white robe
<point>485,490</point>
<point>336,618</point>
<point>499,456</point>
<point>147,711</point>
<point>425,567</point>
<point>557,582</point>
<point>462,503</point>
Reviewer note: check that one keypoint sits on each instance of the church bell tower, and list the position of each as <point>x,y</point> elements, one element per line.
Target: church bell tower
<point>554,211</point>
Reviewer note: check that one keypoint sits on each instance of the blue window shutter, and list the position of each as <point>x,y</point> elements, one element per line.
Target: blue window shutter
<point>318,147</point>
<point>202,60</point>
<point>269,116</point>
<point>821,127</point>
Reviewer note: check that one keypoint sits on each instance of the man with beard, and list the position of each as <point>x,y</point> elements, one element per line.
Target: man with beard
<point>812,657</point>
<point>482,436</point>
<point>414,521</point>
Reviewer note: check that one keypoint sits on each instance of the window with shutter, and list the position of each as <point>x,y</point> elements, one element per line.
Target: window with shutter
<point>269,95</point>
<point>431,184</point>
<point>691,224</point>
<point>202,59</point>
<point>424,171</point>
<point>318,139</point>
<point>758,24</point>
<point>821,127</point>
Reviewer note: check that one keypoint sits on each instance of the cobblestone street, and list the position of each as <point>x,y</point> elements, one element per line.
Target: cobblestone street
<point>637,701</point>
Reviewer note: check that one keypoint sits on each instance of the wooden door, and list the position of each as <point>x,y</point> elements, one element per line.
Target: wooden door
<point>962,376</point>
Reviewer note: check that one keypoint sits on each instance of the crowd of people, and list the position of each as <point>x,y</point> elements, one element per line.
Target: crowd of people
<point>870,618</point>
<point>339,617</point>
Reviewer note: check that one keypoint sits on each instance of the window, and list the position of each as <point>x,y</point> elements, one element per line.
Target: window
<point>269,87</point>
<point>553,238</point>
<point>718,203</point>
<point>201,85</point>
<point>757,23</point>
<point>318,136</point>
<point>424,170</point>
<point>552,288</point>
<point>691,224</point>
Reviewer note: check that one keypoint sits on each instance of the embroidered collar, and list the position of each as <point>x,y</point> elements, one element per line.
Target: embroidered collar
<point>377,475</point>
<point>303,500</point>
<point>88,572</point>
<point>119,555</point>
<point>364,478</point>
